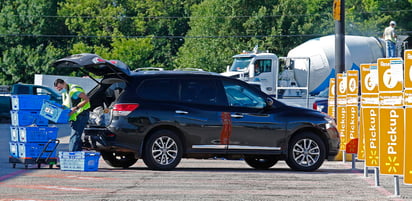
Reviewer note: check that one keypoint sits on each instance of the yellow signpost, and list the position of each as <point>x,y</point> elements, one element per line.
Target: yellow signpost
<point>369,79</point>
<point>353,83</point>
<point>361,140</point>
<point>392,116</point>
<point>341,109</point>
<point>408,69</point>
<point>391,141</point>
<point>390,74</point>
<point>371,129</point>
<point>331,98</point>
<point>370,114</point>
<point>352,123</point>
<point>407,176</point>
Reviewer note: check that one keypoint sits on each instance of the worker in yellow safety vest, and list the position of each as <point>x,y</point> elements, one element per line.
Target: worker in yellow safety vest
<point>76,99</point>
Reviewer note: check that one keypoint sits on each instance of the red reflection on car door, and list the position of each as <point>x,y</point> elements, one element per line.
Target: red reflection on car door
<point>226,128</point>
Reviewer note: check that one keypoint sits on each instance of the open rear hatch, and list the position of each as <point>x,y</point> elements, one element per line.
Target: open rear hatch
<point>93,63</point>
<point>114,72</point>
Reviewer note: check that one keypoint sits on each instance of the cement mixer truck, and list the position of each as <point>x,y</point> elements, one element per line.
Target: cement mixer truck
<point>306,70</point>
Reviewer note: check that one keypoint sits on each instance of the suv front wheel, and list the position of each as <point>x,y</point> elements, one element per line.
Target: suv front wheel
<point>306,152</point>
<point>162,150</point>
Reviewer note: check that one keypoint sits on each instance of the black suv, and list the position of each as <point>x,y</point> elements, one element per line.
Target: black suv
<point>164,116</point>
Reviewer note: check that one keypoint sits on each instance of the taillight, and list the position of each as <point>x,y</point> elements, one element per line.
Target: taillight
<point>124,109</point>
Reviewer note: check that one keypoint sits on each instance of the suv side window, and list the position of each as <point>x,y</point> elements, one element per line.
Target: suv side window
<point>158,89</point>
<point>199,91</point>
<point>239,96</point>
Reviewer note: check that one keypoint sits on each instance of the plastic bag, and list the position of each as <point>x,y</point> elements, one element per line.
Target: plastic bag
<point>100,116</point>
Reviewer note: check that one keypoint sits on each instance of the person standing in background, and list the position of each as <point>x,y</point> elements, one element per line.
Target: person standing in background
<point>390,38</point>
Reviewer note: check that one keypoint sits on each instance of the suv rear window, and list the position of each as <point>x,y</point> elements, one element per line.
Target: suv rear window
<point>199,91</point>
<point>158,89</point>
<point>186,90</point>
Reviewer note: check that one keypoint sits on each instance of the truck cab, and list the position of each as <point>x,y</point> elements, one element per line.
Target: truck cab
<point>272,74</point>
<point>256,68</point>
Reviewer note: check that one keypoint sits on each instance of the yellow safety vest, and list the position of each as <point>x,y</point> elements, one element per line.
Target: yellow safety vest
<point>71,99</point>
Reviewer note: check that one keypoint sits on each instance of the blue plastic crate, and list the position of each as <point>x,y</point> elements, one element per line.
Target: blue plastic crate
<point>14,134</point>
<point>28,102</point>
<point>79,161</point>
<point>33,150</point>
<point>27,118</point>
<point>14,151</point>
<point>54,112</point>
<point>37,134</point>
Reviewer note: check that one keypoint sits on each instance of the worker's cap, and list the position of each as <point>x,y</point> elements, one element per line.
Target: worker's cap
<point>392,22</point>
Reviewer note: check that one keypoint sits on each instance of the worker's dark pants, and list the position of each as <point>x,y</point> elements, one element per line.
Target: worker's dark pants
<point>77,128</point>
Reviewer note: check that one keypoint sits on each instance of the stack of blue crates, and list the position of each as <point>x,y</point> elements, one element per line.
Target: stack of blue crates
<point>29,130</point>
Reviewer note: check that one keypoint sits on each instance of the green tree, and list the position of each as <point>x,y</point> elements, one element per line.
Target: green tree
<point>124,22</point>
<point>166,21</point>
<point>216,33</point>
<point>222,29</point>
<point>297,22</point>
<point>21,63</point>
<point>134,52</point>
<point>370,17</point>
<point>24,49</point>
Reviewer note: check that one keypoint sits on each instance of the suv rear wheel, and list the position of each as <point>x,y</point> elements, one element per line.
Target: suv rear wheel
<point>162,150</point>
<point>306,152</point>
<point>119,159</point>
<point>261,162</point>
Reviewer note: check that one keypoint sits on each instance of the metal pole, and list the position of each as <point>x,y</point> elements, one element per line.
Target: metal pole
<point>353,161</point>
<point>365,171</point>
<point>339,16</point>
<point>307,85</point>
<point>377,176</point>
<point>396,184</point>
<point>343,156</point>
<point>340,40</point>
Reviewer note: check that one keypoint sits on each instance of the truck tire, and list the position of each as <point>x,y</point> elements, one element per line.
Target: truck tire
<point>162,150</point>
<point>306,152</point>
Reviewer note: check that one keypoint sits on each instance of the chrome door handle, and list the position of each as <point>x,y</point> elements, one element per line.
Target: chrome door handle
<point>236,115</point>
<point>181,112</point>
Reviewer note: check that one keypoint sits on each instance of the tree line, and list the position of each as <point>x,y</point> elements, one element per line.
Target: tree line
<point>173,33</point>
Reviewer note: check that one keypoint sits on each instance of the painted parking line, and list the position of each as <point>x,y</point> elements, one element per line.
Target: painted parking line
<point>19,199</point>
<point>13,174</point>
<point>75,177</point>
<point>52,187</point>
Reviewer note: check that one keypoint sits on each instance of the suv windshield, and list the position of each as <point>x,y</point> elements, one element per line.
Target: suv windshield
<point>240,64</point>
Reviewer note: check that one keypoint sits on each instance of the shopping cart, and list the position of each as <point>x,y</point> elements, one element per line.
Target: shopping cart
<point>37,153</point>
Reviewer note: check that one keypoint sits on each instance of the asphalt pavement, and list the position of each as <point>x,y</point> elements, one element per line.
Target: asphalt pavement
<point>212,179</point>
